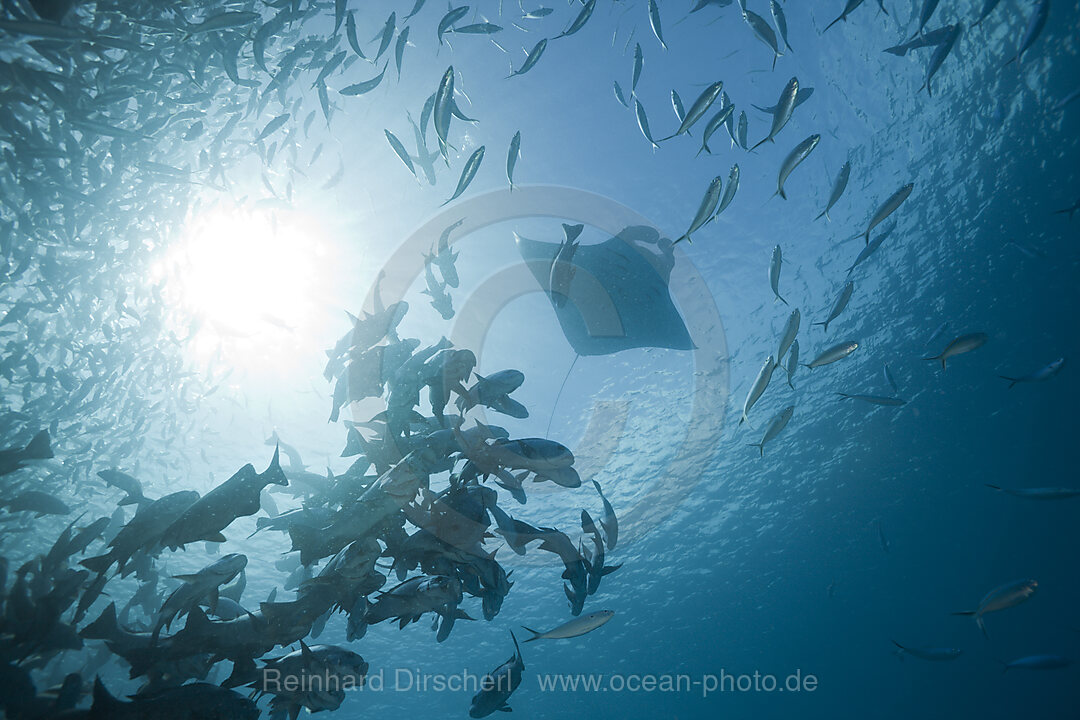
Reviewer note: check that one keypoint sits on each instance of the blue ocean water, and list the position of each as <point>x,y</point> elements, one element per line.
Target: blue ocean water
<point>170,297</point>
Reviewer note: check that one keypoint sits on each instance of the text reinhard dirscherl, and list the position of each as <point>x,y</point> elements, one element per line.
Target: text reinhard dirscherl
<point>414,680</point>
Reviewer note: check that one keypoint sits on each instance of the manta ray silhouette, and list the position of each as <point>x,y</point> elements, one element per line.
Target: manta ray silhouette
<point>618,296</point>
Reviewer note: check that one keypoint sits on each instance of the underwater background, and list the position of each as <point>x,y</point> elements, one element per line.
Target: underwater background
<point>171,285</point>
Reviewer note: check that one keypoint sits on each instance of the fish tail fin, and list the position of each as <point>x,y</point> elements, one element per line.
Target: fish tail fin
<point>759,446</point>
<point>782,300</point>
<point>665,138</point>
<point>844,396</point>
<point>685,237</point>
<point>826,324</point>
<point>782,194</point>
<point>982,626</point>
<point>995,487</point>
<point>703,147</point>
<point>755,146</point>
<point>833,23</point>
<point>535,636</point>
<point>1012,381</point>
<point>900,650</point>
<point>823,214</point>
<point>789,383</point>
<point>39,448</point>
<point>104,628</point>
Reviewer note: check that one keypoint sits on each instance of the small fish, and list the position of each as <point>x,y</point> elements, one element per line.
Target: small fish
<point>399,50</point>
<point>639,64</point>
<point>1001,598</point>
<point>780,21</point>
<point>792,161</point>
<point>931,654</point>
<point>575,628</point>
<point>784,107</point>
<point>677,104</point>
<point>350,33</point>
<point>872,247</point>
<point>698,109</point>
<point>742,130</point>
<point>579,22</point>
<point>930,39</point>
<point>512,156</point>
<point>940,53</point>
<point>1040,375</point>
<point>1061,104</point>
<point>959,346</point>
<point>530,60</point>
<point>833,354</point>
<point>468,173</point>
<point>272,126</point>
<point>1070,210</point>
<point>775,265</point>
<point>400,151</point>
<point>849,7</point>
<point>762,32</point>
<point>718,120</point>
<point>441,113</point>
<point>761,382</point>
<point>840,305</point>
<point>1034,29</point>
<point>775,427</point>
<point>874,399</point>
<point>889,378</point>
<point>643,123</point>
<point>882,540</point>
<point>938,332</point>
<point>620,96</point>
<point>705,210</point>
<point>787,337</point>
<point>483,28</point>
<point>838,190</point>
<point>1038,662</point>
<point>364,87</point>
<point>887,208</point>
<point>387,35</point>
<point>448,20</point>
<point>1043,493</point>
<point>729,191</point>
<point>792,363</point>
<point>654,23</point>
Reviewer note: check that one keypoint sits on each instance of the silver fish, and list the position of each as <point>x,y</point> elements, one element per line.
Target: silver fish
<point>784,107</point>
<point>775,427</point>
<point>931,654</point>
<point>1043,493</point>
<point>654,22</point>
<point>729,191</point>
<point>887,208</point>
<point>959,346</point>
<point>468,173</point>
<point>775,265</point>
<point>530,60</point>
<point>792,161</point>
<point>833,354</point>
<point>761,382</point>
<point>841,303</point>
<point>1038,662</point>
<point>512,156</point>
<point>763,32</point>
<point>575,628</point>
<point>712,126</point>
<point>940,53</point>
<point>705,210</point>
<point>838,189</point>
<point>698,109</point>
<point>849,7</point>
<point>889,378</point>
<point>787,337</point>
<point>1040,375</point>
<point>643,123</point>
<point>792,363</point>
<point>1001,598</point>
<point>1034,29</point>
<point>872,247</point>
<point>780,21</point>
<point>874,399</point>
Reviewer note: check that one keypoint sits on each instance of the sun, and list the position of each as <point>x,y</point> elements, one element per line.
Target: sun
<point>239,281</point>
